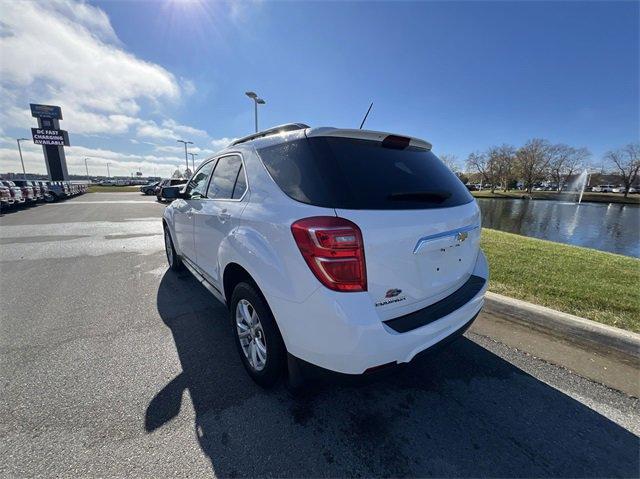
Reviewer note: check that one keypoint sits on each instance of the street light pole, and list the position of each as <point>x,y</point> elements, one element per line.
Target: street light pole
<point>86,168</point>
<point>186,159</point>
<point>24,173</point>
<point>193,161</point>
<point>256,101</point>
<point>108,174</point>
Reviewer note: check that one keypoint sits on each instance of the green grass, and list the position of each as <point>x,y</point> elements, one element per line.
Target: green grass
<point>592,284</point>
<point>111,189</point>
<point>552,195</point>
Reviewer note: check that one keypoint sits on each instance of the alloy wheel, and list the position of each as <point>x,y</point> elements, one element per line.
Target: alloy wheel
<point>168,247</point>
<point>251,335</point>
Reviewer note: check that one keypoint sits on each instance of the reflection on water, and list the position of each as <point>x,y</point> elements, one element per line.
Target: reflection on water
<point>607,227</point>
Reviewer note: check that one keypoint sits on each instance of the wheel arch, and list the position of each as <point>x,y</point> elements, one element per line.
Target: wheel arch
<point>232,276</point>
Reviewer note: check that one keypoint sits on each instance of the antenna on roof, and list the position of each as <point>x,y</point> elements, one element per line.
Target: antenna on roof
<point>365,116</point>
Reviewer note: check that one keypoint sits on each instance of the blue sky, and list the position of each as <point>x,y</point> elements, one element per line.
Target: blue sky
<point>462,75</point>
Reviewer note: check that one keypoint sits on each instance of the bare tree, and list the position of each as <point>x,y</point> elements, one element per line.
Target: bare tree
<point>564,161</point>
<point>501,165</point>
<point>451,161</point>
<point>532,160</point>
<point>480,162</point>
<point>627,161</point>
<point>495,165</point>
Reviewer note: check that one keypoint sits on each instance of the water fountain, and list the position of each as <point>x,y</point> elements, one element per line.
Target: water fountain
<point>579,184</point>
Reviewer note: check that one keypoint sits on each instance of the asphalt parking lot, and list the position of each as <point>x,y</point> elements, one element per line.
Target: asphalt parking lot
<point>111,365</point>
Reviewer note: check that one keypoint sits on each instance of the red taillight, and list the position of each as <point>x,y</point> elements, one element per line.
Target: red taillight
<point>334,250</point>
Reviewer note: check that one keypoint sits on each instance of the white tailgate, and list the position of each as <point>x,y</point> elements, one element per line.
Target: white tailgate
<point>423,253</point>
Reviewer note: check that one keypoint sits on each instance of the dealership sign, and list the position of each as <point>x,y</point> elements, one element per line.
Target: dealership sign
<point>46,111</point>
<point>42,136</point>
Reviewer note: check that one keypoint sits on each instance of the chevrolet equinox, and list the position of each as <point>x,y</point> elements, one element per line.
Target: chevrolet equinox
<point>350,250</point>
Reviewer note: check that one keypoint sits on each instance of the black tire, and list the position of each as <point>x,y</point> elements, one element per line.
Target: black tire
<point>51,197</point>
<point>148,192</point>
<point>276,353</point>
<point>175,263</point>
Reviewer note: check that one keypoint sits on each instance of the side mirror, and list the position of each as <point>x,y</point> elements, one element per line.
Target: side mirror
<point>171,192</point>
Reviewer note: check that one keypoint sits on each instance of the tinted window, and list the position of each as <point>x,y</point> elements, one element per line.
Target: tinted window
<point>241,185</point>
<point>361,174</point>
<point>224,177</point>
<point>198,184</point>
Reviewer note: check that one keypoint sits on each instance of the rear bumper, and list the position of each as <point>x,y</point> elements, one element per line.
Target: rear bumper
<point>342,332</point>
<point>310,371</point>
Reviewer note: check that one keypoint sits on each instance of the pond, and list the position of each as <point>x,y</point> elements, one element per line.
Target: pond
<point>605,226</point>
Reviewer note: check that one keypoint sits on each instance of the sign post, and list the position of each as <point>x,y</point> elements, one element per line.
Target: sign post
<point>52,138</point>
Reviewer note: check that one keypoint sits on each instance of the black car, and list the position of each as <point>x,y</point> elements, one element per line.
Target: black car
<point>168,182</point>
<point>149,189</point>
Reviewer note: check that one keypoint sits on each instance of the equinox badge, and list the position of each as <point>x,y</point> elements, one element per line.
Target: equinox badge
<point>390,297</point>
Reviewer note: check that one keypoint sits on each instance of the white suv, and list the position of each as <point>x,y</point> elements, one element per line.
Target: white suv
<point>351,250</point>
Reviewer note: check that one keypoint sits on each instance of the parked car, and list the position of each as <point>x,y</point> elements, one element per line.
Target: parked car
<point>44,188</point>
<point>14,191</point>
<point>471,187</point>
<point>37,190</point>
<point>167,182</point>
<point>6,199</point>
<point>350,276</point>
<point>28,191</point>
<point>619,189</point>
<point>149,189</point>
<point>56,191</point>
<point>603,188</point>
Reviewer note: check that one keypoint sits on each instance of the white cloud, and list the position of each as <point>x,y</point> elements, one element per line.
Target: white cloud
<point>183,129</point>
<point>76,62</point>
<point>67,53</point>
<point>179,149</point>
<point>120,164</point>
<point>188,87</point>
<point>150,129</point>
<point>220,143</point>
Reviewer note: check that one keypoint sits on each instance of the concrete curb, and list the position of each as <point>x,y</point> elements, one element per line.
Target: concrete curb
<point>568,326</point>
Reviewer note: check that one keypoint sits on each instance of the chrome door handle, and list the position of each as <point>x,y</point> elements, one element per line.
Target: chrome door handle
<point>223,215</point>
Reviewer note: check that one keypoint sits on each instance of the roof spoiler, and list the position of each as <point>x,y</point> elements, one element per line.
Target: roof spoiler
<point>365,135</point>
<point>276,130</point>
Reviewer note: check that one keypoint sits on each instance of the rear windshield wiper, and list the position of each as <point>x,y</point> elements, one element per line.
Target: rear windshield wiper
<point>426,196</point>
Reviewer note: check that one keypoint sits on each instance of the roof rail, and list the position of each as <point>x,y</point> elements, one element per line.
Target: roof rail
<point>271,131</point>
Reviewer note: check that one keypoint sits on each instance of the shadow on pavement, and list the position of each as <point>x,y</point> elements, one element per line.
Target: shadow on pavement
<point>463,412</point>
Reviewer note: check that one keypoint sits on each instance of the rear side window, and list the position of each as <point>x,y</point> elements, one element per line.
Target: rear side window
<point>349,173</point>
<point>240,186</point>
<point>224,177</point>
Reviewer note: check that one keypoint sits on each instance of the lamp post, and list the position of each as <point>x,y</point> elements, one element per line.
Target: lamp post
<point>256,101</point>
<point>186,159</point>
<point>193,161</point>
<point>87,169</point>
<point>24,173</point>
<point>108,174</point>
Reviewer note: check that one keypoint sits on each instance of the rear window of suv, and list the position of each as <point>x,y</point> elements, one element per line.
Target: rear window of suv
<point>349,173</point>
